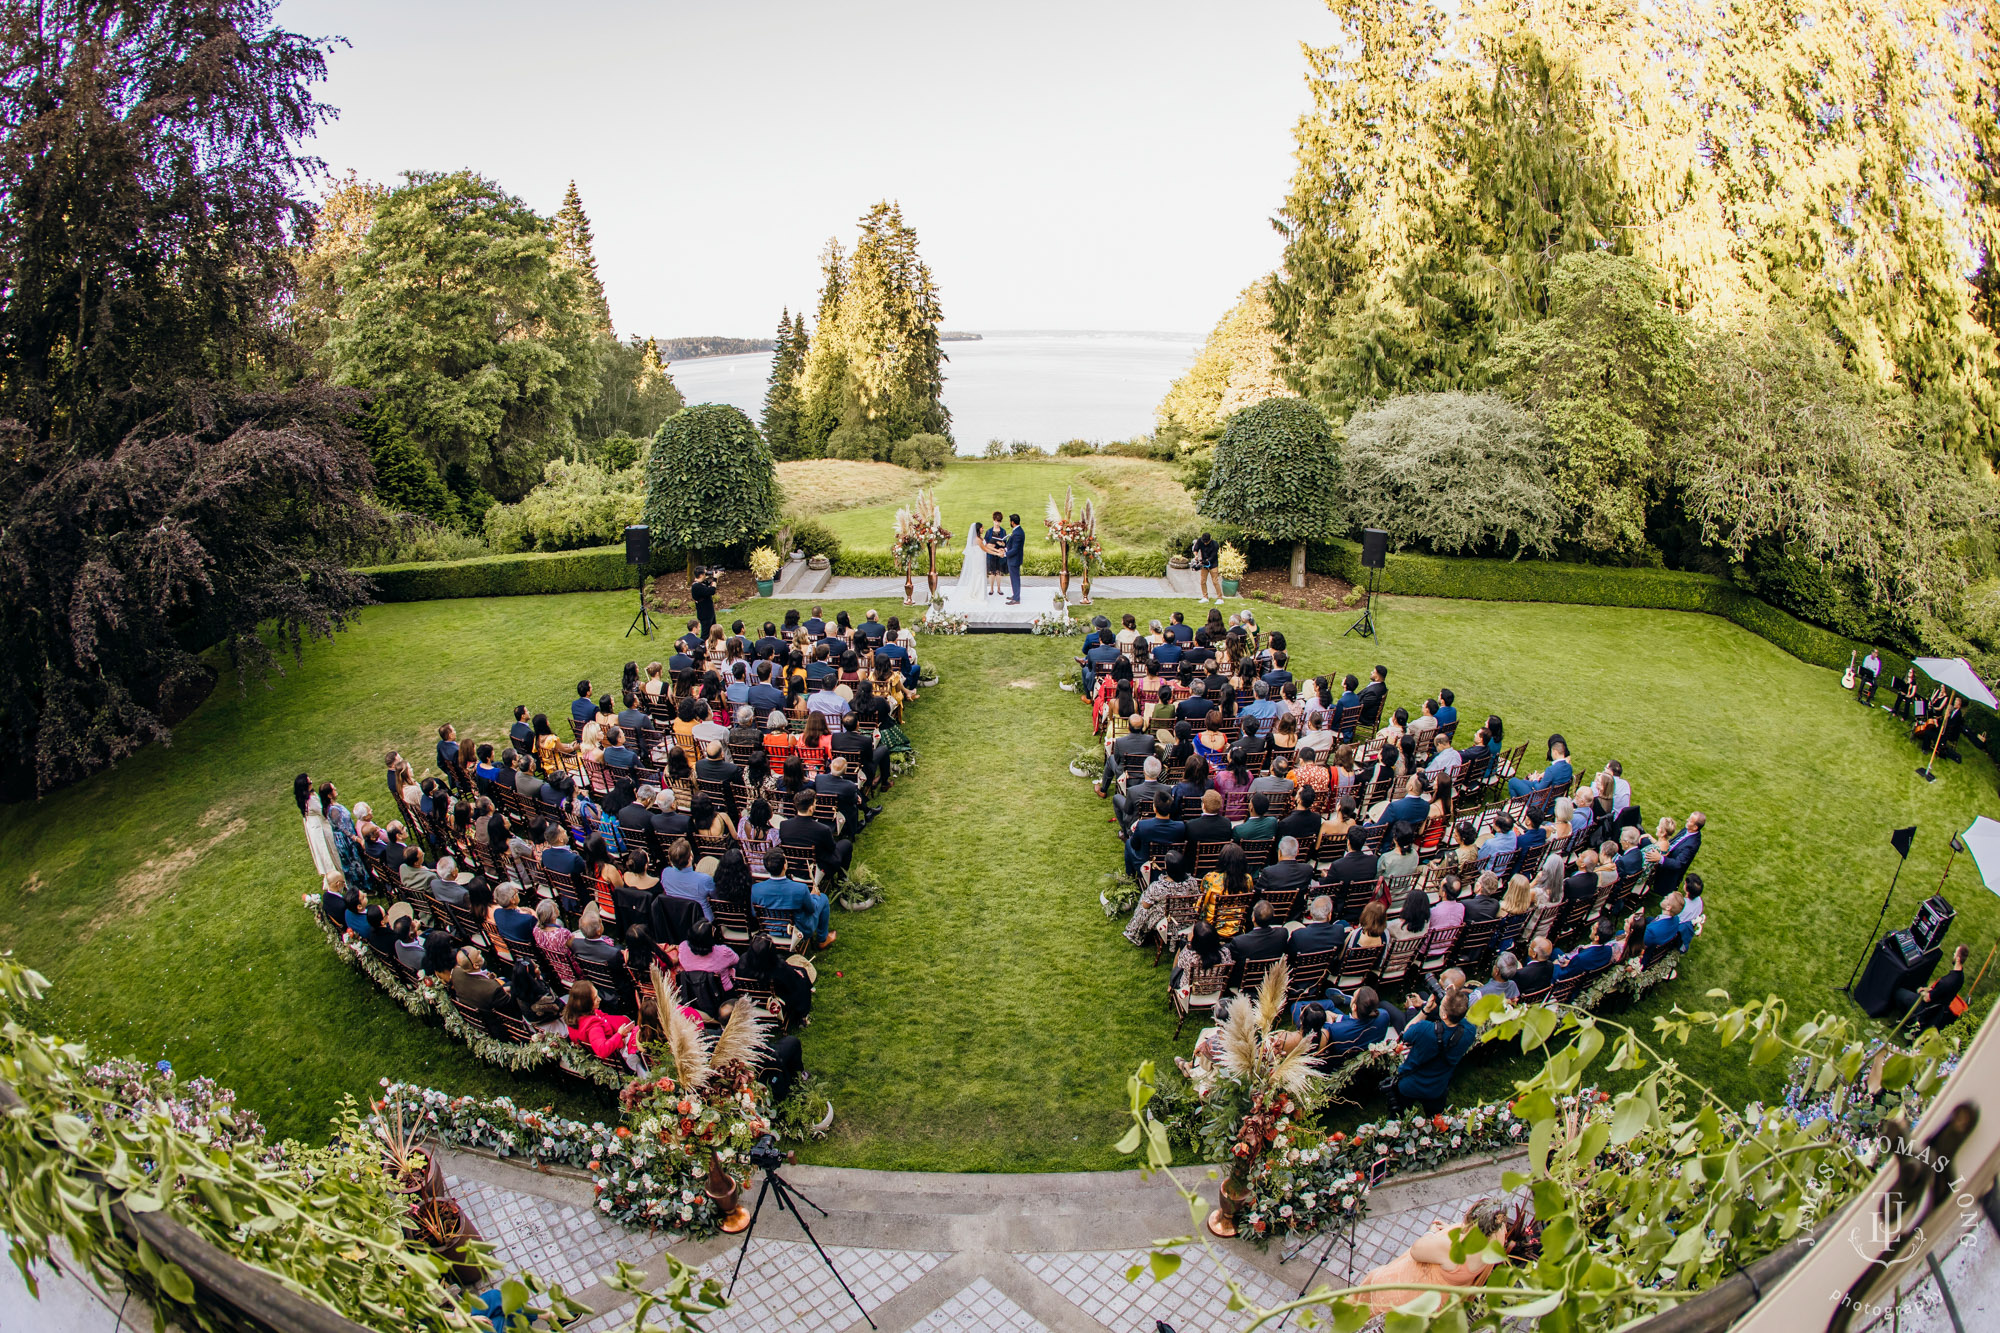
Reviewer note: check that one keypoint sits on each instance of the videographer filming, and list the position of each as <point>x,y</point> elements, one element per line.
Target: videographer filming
<point>702,589</point>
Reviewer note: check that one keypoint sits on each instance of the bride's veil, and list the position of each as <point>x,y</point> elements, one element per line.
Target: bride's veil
<point>972,575</point>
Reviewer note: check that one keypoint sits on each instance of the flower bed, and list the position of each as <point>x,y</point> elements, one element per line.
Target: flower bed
<point>432,999</point>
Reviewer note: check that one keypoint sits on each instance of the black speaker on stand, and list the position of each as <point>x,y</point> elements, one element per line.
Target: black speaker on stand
<point>638,552</point>
<point>1374,555</point>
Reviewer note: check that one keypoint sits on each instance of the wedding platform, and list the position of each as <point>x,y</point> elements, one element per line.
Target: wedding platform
<point>993,615</point>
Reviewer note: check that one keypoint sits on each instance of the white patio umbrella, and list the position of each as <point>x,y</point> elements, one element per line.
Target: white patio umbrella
<point>1982,840</point>
<point>1957,676</point>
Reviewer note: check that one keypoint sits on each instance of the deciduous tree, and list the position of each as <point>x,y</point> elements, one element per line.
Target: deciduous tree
<point>710,482</point>
<point>1277,476</point>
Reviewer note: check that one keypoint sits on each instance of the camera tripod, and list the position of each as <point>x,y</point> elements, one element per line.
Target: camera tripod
<point>790,1197</point>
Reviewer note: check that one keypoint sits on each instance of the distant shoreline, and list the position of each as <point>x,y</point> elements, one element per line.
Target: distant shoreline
<point>703,348</point>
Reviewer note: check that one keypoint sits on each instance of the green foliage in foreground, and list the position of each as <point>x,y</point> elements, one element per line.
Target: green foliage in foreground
<point>984,1016</point>
<point>324,1223</point>
<point>1646,1199</point>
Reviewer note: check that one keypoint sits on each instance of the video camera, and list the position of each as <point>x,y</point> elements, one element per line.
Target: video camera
<point>766,1153</point>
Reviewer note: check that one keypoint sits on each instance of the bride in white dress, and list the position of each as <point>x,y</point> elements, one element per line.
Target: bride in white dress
<point>319,837</point>
<point>971,586</point>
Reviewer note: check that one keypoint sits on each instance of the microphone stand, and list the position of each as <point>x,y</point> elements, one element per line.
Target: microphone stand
<point>1868,944</point>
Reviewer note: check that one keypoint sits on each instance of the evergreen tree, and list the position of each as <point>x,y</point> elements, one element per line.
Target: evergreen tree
<point>875,371</point>
<point>781,399</point>
<point>405,480</point>
<point>573,250</point>
<point>823,365</point>
<point>657,396</point>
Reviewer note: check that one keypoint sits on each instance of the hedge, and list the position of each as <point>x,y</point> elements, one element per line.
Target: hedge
<point>1411,575</point>
<point>595,569</point>
<point>1122,563</point>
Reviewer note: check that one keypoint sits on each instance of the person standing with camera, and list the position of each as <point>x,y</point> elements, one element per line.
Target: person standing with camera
<point>702,589</point>
<point>1204,556</point>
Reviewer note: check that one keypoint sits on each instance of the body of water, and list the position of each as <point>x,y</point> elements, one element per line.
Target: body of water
<point>1040,387</point>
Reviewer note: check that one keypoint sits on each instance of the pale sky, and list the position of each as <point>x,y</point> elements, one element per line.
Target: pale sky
<point>1096,164</point>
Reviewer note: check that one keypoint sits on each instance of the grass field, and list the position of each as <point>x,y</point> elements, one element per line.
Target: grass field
<point>986,1015</point>
<point>1140,503</point>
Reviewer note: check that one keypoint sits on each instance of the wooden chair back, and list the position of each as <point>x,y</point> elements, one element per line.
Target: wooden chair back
<point>1309,972</point>
<point>1398,959</point>
<point>1357,964</point>
<point>1232,912</point>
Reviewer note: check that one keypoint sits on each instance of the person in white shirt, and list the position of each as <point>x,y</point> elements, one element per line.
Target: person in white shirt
<point>1446,757</point>
<point>1621,790</point>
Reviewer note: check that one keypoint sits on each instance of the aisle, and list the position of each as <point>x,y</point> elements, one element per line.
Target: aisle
<point>986,1016</point>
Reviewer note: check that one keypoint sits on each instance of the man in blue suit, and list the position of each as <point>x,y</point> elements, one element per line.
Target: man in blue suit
<point>1558,771</point>
<point>1017,546</point>
<point>1673,862</point>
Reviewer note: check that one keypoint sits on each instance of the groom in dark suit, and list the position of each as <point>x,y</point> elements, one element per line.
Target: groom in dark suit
<point>1017,545</point>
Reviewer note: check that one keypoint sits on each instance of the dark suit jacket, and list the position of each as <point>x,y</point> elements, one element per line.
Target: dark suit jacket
<point>1210,828</point>
<point>1017,546</point>
<point>1140,794</point>
<point>1479,908</point>
<point>1352,868</point>
<point>718,770</point>
<point>1371,697</point>
<point>1257,943</point>
<point>804,831</point>
<point>1281,876</point>
<point>1303,825</point>
<point>1315,937</point>
<point>1535,977</point>
<point>846,797</point>
<point>1673,866</point>
<point>480,990</point>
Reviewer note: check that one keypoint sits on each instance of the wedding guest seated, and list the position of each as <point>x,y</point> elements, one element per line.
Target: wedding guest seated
<point>1591,957</point>
<point>1287,872</point>
<point>472,983</point>
<point>809,909</point>
<point>1447,912</point>
<point>559,856</point>
<point>607,1036</point>
<point>681,880</point>
<point>1156,829</point>
<point>1668,925</point>
<point>1415,918</point>
<point>830,854</point>
<point>1203,948</point>
<point>1505,967</point>
<point>1139,795</point>
<point>1402,857</point>
<point>1365,1021</point>
<point>554,938</point>
<point>702,951</point>
<point>1539,972</point>
<point>1484,904</point>
<point>1302,823</point>
<point>1356,867</point>
<point>1211,825</point>
<point>1265,939</point>
<point>508,918</point>
<point>589,941</point>
<point>1319,932</point>
<point>1259,826</point>
<point>1231,877</point>
<point>791,986</point>
<point>1557,773</point>
<point>1499,845</point>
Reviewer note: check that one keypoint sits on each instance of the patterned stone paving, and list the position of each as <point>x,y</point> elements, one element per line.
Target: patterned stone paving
<point>784,1285</point>
<point>1194,1298</point>
<point>980,1308</point>
<point>563,1244</point>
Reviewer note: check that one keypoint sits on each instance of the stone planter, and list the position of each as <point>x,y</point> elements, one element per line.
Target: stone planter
<point>819,562</point>
<point>1177,562</point>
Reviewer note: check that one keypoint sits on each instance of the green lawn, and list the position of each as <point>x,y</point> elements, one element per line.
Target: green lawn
<point>986,1016</point>
<point>1149,502</point>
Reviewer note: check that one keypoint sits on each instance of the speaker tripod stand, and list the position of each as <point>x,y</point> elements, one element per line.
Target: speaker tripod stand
<point>643,619</point>
<point>1365,626</point>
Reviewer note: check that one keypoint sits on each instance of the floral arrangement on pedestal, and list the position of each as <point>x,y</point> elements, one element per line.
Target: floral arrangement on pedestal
<point>1074,529</point>
<point>1254,1098</point>
<point>681,1131</point>
<point>919,529</point>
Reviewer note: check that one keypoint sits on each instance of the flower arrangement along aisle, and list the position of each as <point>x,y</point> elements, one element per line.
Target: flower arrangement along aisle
<point>680,1130</point>
<point>1074,530</point>
<point>1256,1097</point>
<point>919,528</point>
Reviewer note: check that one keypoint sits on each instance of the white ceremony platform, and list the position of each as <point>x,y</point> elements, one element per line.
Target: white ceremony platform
<point>992,614</point>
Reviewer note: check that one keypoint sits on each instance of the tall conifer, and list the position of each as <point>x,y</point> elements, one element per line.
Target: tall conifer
<point>781,399</point>
<point>573,248</point>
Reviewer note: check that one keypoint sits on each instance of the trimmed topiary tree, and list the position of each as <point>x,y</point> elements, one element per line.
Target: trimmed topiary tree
<point>709,481</point>
<point>1277,476</point>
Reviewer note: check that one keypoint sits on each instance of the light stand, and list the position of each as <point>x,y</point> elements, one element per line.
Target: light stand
<point>773,1182</point>
<point>643,621</point>
<point>1901,840</point>
<point>1365,626</point>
